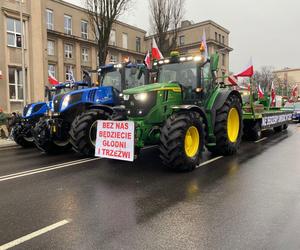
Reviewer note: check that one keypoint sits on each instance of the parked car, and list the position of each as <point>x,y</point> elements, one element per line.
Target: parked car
<point>295,106</point>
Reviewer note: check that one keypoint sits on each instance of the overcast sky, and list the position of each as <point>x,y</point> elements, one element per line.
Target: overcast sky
<point>267,30</point>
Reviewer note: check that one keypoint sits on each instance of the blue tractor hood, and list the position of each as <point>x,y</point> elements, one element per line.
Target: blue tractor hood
<point>33,110</point>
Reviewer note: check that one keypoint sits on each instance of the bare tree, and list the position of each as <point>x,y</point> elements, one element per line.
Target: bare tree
<point>265,76</point>
<point>102,14</point>
<point>165,19</point>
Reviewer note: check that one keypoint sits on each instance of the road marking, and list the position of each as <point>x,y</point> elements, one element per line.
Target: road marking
<point>262,139</point>
<point>46,169</point>
<point>34,234</point>
<point>209,161</point>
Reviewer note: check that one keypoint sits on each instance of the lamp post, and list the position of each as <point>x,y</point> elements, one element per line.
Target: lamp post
<point>23,53</point>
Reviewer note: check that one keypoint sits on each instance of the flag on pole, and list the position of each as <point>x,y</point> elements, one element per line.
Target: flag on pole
<point>261,94</point>
<point>147,60</point>
<point>248,72</point>
<point>273,94</point>
<point>51,79</point>
<point>295,91</point>
<point>156,54</point>
<point>203,45</point>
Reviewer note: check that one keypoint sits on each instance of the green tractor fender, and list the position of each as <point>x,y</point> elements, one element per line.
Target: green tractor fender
<point>219,102</point>
<point>192,108</point>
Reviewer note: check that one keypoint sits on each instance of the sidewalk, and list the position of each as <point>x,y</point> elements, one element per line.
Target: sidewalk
<point>6,143</point>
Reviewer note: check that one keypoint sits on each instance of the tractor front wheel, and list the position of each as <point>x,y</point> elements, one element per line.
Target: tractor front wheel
<point>228,127</point>
<point>181,141</point>
<point>84,129</point>
<point>22,135</point>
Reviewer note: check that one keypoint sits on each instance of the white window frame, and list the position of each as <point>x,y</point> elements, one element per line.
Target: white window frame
<point>16,84</point>
<point>14,32</point>
<point>125,41</point>
<point>138,49</point>
<point>68,21</point>
<point>49,21</point>
<point>181,40</point>
<point>68,51</point>
<point>112,38</point>
<point>113,58</point>
<point>51,50</point>
<point>84,33</point>
<point>52,69</point>
<point>85,54</point>
<point>68,69</point>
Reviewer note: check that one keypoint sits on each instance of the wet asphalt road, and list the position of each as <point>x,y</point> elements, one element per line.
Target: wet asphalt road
<point>247,201</point>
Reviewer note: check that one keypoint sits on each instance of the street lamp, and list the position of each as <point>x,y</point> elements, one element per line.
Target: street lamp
<point>23,52</point>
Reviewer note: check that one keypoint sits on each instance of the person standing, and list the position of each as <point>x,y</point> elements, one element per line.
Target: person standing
<point>3,123</point>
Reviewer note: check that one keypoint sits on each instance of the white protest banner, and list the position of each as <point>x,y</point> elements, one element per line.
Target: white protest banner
<point>115,140</point>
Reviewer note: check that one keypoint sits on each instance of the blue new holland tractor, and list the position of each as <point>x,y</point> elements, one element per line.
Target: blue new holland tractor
<point>71,122</point>
<point>22,130</point>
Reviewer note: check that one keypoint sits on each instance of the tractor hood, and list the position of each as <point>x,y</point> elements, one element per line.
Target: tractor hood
<point>34,110</point>
<point>153,87</point>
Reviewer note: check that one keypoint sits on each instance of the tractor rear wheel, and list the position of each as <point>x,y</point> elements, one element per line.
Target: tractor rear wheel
<point>44,141</point>
<point>252,131</point>
<point>84,129</point>
<point>181,141</point>
<point>22,135</point>
<point>228,127</point>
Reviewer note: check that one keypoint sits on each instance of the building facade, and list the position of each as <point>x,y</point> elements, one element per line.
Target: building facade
<point>58,38</point>
<point>217,38</point>
<point>288,78</point>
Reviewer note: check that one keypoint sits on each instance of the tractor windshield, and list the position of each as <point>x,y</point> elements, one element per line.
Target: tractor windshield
<point>112,78</point>
<point>183,73</point>
<point>133,77</point>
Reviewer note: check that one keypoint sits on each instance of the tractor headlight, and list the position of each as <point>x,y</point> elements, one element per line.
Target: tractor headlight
<point>126,97</point>
<point>29,111</point>
<point>65,102</point>
<point>141,97</point>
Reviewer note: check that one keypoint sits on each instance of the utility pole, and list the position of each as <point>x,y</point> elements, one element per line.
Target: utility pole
<point>23,53</point>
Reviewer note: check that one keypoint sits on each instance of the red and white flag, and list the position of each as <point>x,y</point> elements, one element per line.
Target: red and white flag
<point>147,60</point>
<point>295,91</point>
<point>261,94</point>
<point>51,79</point>
<point>156,54</point>
<point>273,94</point>
<point>233,80</point>
<point>248,72</point>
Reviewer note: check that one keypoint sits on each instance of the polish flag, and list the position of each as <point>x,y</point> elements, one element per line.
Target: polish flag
<point>51,79</point>
<point>248,72</point>
<point>147,60</point>
<point>233,80</point>
<point>261,94</point>
<point>156,54</point>
<point>273,94</point>
<point>295,91</point>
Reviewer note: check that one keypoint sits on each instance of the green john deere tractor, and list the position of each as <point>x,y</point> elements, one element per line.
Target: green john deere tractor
<point>185,111</point>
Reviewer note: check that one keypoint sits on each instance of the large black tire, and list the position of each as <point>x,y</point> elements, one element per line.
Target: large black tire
<point>44,141</point>
<point>285,126</point>
<point>252,131</point>
<point>83,131</point>
<point>278,128</point>
<point>22,135</point>
<point>224,145</point>
<point>173,141</point>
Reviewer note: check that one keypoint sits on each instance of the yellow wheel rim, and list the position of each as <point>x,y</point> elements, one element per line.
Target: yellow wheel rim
<point>233,125</point>
<point>191,141</point>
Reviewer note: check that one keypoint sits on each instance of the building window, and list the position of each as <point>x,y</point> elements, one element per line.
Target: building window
<point>69,73</point>
<point>181,40</point>
<point>69,51</point>
<point>15,84</point>
<point>125,40</point>
<point>84,29</point>
<point>14,38</point>
<point>219,38</point>
<point>85,54</point>
<point>50,48</point>
<point>138,44</point>
<point>51,69</point>
<point>68,24</point>
<point>112,38</point>
<point>223,59</point>
<point>216,36</point>
<point>49,19</point>
<point>113,58</point>
<point>223,39</point>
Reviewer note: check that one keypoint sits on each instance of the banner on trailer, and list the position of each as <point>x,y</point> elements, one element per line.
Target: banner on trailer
<point>115,140</point>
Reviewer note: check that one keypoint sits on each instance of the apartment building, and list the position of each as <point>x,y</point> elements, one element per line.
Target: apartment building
<point>58,38</point>
<point>217,38</point>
